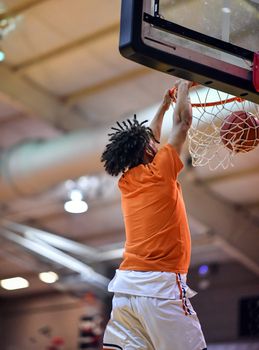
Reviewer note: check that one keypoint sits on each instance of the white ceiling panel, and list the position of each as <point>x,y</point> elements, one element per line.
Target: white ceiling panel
<point>123,100</point>
<point>98,62</point>
<point>54,23</point>
<point>96,221</point>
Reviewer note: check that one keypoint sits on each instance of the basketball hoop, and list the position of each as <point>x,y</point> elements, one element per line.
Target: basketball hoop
<point>223,126</point>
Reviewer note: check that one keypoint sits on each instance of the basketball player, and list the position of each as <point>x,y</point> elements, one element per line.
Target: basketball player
<point>151,307</point>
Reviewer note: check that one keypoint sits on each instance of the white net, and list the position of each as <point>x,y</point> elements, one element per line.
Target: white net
<point>221,130</point>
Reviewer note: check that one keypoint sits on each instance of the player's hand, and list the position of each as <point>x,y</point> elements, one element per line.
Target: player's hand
<point>167,100</point>
<point>182,116</point>
<point>185,83</point>
<point>182,88</point>
<point>183,108</point>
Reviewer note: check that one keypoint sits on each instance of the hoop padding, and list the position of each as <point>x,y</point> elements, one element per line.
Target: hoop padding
<point>211,111</point>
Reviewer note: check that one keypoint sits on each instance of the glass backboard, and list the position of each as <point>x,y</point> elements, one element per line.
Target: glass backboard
<point>206,41</point>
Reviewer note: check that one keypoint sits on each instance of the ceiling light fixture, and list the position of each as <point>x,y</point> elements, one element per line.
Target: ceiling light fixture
<point>203,270</point>
<point>8,25</point>
<point>14,283</point>
<point>76,204</point>
<point>2,55</point>
<point>48,277</point>
<point>226,10</point>
<point>204,284</point>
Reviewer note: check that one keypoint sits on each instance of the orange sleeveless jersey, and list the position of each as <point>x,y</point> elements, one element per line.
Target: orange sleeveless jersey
<point>157,230</point>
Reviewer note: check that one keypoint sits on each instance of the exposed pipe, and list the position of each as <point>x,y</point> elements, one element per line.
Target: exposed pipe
<point>49,252</point>
<point>35,166</point>
<point>30,168</point>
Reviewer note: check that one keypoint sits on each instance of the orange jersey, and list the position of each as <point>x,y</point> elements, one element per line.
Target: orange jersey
<point>157,230</point>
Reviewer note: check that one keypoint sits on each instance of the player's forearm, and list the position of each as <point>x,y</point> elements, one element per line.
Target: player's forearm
<point>177,146</point>
<point>178,135</point>
<point>182,117</point>
<point>157,121</point>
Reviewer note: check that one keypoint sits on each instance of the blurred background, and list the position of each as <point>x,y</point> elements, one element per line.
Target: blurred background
<point>63,84</point>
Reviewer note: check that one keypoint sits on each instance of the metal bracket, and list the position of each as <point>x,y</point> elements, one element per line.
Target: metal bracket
<point>256,71</point>
<point>156,8</point>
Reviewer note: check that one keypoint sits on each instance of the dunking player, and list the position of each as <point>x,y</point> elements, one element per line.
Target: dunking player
<point>151,307</point>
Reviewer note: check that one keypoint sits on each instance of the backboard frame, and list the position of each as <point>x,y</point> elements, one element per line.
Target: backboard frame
<point>183,62</point>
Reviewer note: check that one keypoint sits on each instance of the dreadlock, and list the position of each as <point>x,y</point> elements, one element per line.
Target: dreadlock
<point>127,145</point>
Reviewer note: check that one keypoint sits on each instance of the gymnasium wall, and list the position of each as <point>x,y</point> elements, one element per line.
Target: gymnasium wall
<point>218,305</point>
<point>30,323</point>
<point>33,323</point>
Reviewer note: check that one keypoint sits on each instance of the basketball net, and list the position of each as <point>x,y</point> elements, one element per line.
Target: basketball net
<point>207,145</point>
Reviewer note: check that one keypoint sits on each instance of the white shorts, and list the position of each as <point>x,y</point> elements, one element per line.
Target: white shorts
<point>146,323</point>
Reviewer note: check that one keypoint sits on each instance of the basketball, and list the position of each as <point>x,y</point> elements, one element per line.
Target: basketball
<point>240,131</point>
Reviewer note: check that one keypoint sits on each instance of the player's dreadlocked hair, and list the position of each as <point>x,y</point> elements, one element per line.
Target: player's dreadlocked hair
<point>126,147</point>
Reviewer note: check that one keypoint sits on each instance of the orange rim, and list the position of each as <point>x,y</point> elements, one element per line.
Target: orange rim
<point>173,95</point>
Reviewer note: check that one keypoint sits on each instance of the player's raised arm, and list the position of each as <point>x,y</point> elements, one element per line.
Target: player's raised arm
<point>182,116</point>
<point>157,121</point>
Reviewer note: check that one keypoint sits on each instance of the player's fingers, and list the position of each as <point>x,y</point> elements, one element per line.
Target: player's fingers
<point>173,93</point>
<point>189,83</point>
<point>178,82</point>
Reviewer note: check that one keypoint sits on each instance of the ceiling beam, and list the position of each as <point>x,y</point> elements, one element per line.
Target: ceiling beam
<point>88,39</point>
<point>31,101</point>
<point>56,256</point>
<point>232,225</point>
<point>25,260</point>
<point>20,8</point>
<point>102,33</point>
<point>99,87</point>
<point>113,28</point>
<point>57,241</point>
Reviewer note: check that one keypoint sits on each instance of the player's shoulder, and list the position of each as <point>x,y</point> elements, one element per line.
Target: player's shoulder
<point>167,161</point>
<point>136,175</point>
<point>167,150</point>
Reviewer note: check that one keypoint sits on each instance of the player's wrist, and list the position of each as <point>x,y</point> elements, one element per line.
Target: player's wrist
<point>164,106</point>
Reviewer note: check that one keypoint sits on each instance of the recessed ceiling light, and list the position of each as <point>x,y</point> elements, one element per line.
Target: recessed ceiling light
<point>14,283</point>
<point>226,9</point>
<point>203,270</point>
<point>203,284</point>
<point>76,205</point>
<point>48,277</point>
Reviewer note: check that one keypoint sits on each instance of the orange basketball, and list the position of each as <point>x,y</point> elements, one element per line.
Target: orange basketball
<point>240,131</point>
